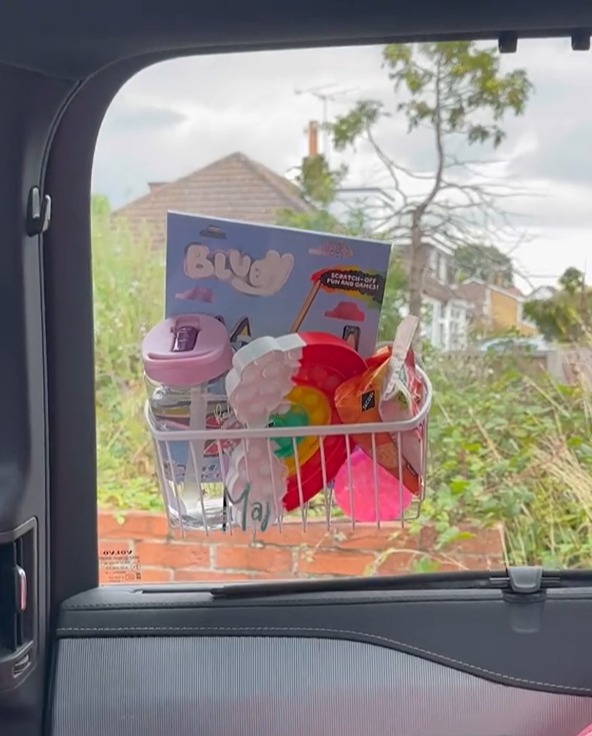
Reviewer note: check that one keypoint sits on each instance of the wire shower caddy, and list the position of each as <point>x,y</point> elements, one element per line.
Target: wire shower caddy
<point>208,507</point>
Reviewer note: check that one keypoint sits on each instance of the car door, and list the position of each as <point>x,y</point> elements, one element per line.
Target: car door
<point>491,654</point>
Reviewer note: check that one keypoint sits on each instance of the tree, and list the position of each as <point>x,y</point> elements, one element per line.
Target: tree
<point>456,90</point>
<point>567,315</point>
<point>484,262</point>
<point>319,186</point>
<point>572,281</point>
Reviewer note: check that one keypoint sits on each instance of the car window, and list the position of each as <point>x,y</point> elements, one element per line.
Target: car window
<point>350,192</point>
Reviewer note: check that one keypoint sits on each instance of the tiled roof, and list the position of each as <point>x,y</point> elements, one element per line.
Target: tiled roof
<point>512,290</point>
<point>435,289</point>
<point>234,187</point>
<point>475,293</point>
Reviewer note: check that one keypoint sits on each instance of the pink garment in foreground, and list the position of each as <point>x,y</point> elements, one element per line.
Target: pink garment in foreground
<point>587,731</point>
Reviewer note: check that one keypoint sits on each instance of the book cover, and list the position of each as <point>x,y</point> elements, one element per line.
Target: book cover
<point>263,280</point>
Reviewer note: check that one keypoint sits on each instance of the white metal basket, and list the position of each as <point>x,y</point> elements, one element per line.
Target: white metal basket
<point>207,506</point>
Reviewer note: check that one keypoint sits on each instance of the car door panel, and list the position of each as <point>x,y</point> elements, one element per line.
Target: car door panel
<point>249,683</point>
<point>472,631</point>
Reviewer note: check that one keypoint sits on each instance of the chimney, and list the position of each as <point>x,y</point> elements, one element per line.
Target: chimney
<point>154,185</point>
<point>313,139</point>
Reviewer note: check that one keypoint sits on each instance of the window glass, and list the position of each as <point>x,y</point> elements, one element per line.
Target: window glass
<point>338,191</point>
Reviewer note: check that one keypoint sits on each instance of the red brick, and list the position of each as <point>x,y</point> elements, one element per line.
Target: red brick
<point>207,576</point>
<point>274,575</point>
<point>235,537</point>
<point>335,562</point>
<point>479,562</point>
<point>135,525</point>
<point>264,558</point>
<point>376,540</point>
<point>496,562</point>
<point>396,563</point>
<point>293,534</point>
<point>173,554</point>
<point>319,551</point>
<point>450,565</point>
<point>428,539</point>
<point>155,575</point>
<point>482,542</point>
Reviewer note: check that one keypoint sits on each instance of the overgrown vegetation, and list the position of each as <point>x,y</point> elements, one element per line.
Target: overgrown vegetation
<point>510,446</point>
<point>507,445</point>
<point>567,315</point>
<point>128,299</point>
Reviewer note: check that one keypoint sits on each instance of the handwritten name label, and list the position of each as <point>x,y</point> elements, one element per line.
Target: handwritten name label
<point>260,277</point>
<point>256,512</point>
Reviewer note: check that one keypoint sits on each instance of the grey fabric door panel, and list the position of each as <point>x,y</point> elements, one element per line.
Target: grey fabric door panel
<point>251,686</point>
<point>538,645</point>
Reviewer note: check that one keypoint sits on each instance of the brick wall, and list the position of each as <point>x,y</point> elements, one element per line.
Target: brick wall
<point>139,548</point>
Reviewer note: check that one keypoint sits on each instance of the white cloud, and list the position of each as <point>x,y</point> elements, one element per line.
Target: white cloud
<point>179,115</point>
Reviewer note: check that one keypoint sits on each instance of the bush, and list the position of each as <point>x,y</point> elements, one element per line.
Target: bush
<point>513,448</point>
<point>506,445</point>
<point>128,300</point>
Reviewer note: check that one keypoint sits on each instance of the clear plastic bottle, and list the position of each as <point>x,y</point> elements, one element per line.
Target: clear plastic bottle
<point>186,359</point>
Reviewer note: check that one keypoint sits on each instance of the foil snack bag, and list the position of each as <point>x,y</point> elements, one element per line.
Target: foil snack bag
<point>390,390</point>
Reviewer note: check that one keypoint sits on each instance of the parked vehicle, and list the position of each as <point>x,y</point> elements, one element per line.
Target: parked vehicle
<point>515,344</point>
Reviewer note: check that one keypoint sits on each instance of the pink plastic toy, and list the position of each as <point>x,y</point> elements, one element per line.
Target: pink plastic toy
<point>188,350</point>
<point>286,382</point>
<point>392,499</point>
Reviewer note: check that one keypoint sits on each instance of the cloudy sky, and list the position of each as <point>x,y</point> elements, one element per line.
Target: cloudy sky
<point>180,115</point>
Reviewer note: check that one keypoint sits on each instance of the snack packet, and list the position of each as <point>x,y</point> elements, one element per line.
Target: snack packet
<point>390,390</point>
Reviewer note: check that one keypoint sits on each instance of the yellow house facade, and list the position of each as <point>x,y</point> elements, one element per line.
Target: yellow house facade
<point>496,309</point>
<point>505,309</point>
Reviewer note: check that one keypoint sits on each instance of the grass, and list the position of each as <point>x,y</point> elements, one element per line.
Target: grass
<point>512,447</point>
<point>128,298</point>
<point>507,444</point>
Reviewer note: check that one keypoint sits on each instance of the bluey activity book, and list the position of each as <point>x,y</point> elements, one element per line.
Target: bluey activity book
<point>263,280</point>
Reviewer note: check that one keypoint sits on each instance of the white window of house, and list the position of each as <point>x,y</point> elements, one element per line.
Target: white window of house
<point>433,262</point>
<point>458,323</point>
<point>442,268</point>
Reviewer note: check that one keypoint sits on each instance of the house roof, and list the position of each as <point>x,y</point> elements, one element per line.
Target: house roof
<point>512,290</point>
<point>234,187</point>
<point>435,289</point>
<point>545,291</point>
<point>475,288</point>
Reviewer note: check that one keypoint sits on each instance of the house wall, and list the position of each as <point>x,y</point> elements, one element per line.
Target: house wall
<point>506,313</point>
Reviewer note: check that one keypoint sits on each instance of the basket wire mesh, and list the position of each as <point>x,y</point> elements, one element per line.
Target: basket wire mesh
<point>208,506</point>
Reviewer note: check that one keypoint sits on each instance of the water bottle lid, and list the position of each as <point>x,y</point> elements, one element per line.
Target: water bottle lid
<point>188,350</point>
